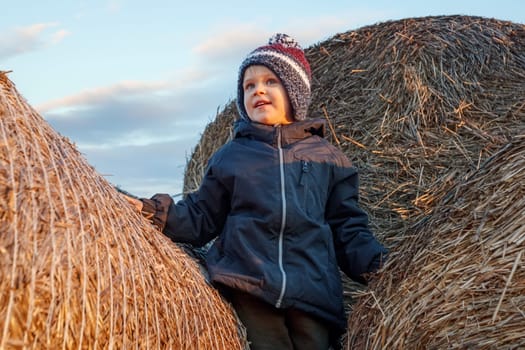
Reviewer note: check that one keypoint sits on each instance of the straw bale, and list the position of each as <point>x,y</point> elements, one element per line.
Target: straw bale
<point>458,280</point>
<point>418,102</point>
<point>216,134</point>
<point>79,268</point>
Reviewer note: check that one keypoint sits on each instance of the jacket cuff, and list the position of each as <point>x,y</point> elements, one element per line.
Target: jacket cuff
<point>378,262</point>
<point>156,209</point>
<point>374,267</point>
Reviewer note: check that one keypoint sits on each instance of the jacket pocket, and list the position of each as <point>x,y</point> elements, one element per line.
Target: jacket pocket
<point>304,183</point>
<point>311,180</point>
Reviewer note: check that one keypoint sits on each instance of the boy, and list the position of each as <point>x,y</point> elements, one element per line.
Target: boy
<point>283,205</point>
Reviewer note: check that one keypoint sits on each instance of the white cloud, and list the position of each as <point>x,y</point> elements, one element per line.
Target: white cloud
<point>19,40</point>
<point>229,42</point>
<point>236,40</point>
<point>136,113</point>
<point>101,94</point>
<point>34,30</point>
<point>58,36</point>
<point>184,80</point>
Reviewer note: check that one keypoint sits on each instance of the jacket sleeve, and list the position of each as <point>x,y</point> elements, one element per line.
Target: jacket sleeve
<point>357,250</point>
<point>196,219</point>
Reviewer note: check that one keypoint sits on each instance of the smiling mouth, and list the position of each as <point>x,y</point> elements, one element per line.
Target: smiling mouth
<point>261,103</point>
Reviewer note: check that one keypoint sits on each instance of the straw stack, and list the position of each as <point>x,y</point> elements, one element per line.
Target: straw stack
<point>216,134</point>
<point>417,103</point>
<point>79,268</point>
<point>458,281</point>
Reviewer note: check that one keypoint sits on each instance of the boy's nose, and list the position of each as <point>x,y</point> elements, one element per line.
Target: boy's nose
<point>259,89</point>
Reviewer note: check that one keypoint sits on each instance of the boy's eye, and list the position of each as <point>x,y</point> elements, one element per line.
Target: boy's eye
<point>272,81</point>
<point>248,86</point>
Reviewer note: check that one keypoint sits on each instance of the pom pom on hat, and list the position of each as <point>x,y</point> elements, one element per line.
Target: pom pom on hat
<point>285,57</point>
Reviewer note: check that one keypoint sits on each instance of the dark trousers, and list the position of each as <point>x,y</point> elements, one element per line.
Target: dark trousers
<point>269,328</point>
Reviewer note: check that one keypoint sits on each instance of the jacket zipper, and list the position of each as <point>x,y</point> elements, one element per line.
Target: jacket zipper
<point>283,219</point>
<point>305,167</point>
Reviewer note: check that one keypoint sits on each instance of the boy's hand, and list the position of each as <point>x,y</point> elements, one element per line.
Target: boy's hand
<point>137,203</point>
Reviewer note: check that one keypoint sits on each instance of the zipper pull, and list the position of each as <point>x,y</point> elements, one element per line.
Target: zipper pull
<point>305,168</point>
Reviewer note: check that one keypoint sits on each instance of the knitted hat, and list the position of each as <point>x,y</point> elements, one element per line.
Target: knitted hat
<point>286,59</point>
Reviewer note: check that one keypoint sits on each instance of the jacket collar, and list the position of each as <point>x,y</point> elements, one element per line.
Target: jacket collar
<point>290,133</point>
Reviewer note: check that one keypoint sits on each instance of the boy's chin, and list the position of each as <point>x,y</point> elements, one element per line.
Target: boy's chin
<point>261,119</point>
<point>268,120</point>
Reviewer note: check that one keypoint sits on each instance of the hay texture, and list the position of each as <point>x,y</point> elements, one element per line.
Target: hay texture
<point>79,268</point>
<point>458,281</point>
<point>417,103</point>
<point>216,134</point>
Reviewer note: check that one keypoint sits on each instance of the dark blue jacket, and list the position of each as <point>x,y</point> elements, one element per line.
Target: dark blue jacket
<point>283,205</point>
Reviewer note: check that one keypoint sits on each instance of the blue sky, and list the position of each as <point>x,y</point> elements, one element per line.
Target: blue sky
<point>134,83</point>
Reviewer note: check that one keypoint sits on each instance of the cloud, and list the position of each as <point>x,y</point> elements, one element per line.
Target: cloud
<point>127,89</point>
<point>102,94</point>
<point>143,170</point>
<point>58,36</point>
<point>21,40</point>
<point>143,118</point>
<point>230,41</point>
<point>139,134</point>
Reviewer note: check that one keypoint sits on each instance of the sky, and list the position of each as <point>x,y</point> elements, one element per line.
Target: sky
<point>134,83</point>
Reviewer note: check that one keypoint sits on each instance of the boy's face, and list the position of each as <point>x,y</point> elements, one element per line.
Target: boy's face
<point>265,98</point>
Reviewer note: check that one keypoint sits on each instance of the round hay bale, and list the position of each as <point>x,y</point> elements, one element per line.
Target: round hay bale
<point>458,282</point>
<point>418,102</point>
<point>216,134</point>
<point>79,268</point>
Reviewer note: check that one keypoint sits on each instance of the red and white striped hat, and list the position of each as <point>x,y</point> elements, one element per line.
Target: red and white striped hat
<point>285,57</point>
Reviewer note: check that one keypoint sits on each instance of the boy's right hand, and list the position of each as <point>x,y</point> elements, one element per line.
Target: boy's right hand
<point>137,203</point>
